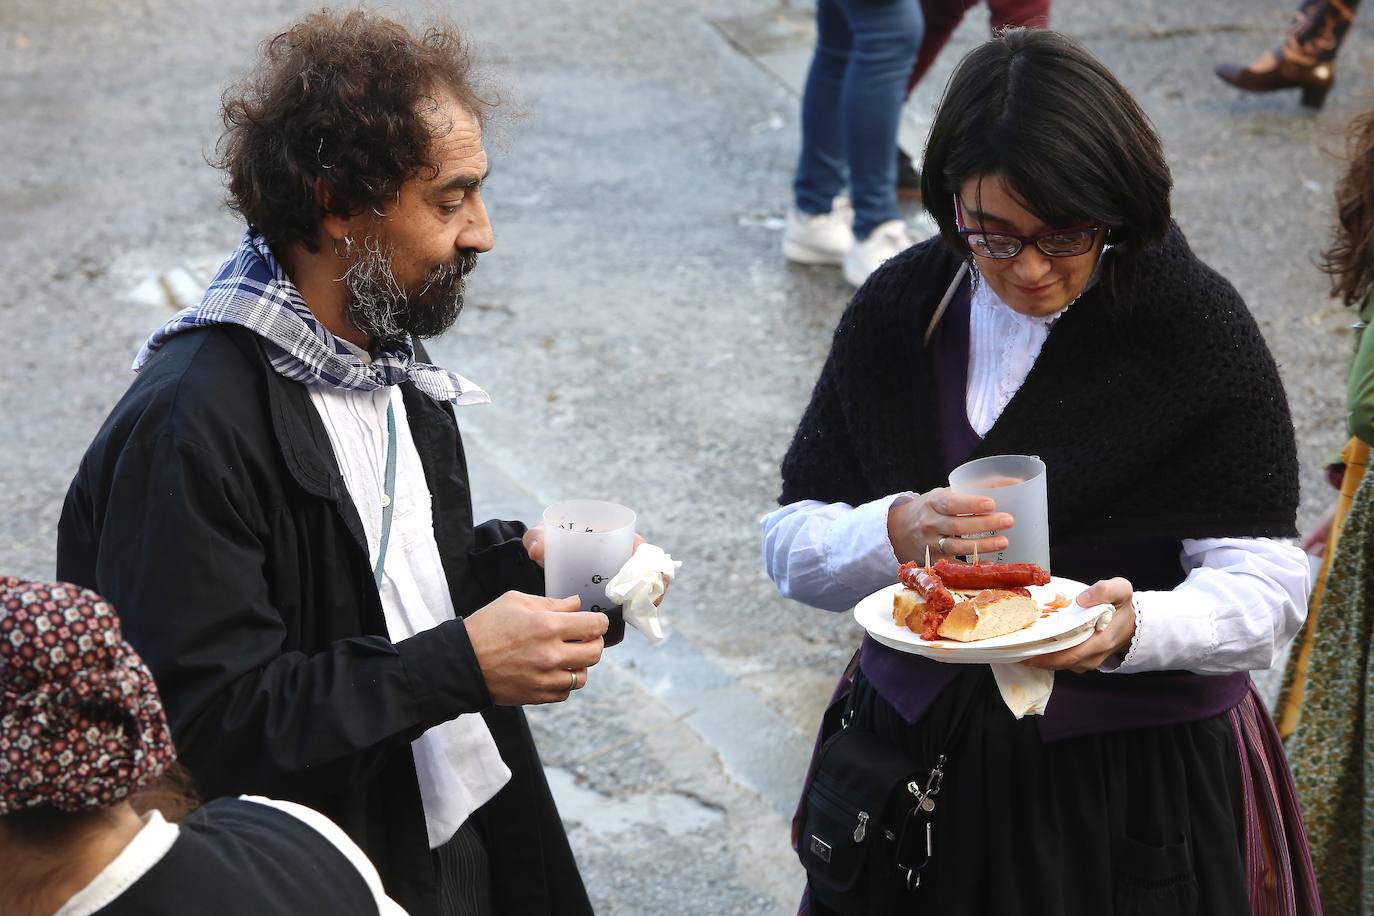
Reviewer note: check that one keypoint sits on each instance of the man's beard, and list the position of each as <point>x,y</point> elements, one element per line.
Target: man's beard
<point>386,312</point>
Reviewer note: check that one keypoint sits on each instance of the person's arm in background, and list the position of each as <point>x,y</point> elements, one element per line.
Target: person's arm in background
<point>1359,397</point>
<point>1359,418</point>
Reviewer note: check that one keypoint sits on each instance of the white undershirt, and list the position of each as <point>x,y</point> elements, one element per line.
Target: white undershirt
<point>156,838</point>
<point>1243,601</point>
<point>1003,344</point>
<point>457,762</point>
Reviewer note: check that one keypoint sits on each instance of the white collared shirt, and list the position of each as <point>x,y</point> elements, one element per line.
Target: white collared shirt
<point>1003,345</point>
<point>1243,601</point>
<point>457,762</point>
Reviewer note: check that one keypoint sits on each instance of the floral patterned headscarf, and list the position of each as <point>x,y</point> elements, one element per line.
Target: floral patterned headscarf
<point>81,724</point>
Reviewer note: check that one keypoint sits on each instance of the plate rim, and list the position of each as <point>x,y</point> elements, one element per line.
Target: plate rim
<point>988,656</point>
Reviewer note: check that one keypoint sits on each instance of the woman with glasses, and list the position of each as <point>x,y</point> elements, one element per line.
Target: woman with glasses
<point>1062,314</point>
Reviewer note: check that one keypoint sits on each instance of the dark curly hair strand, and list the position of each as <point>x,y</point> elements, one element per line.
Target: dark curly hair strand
<point>345,101</point>
<point>1350,259</point>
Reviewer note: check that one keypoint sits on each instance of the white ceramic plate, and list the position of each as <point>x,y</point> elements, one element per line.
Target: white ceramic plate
<point>1062,629</point>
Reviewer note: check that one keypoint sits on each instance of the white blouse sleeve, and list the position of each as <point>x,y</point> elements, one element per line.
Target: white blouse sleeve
<point>335,834</point>
<point>830,555</point>
<point>1243,602</point>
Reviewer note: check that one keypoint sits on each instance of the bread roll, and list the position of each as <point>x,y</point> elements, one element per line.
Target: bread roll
<point>989,613</point>
<point>909,610</point>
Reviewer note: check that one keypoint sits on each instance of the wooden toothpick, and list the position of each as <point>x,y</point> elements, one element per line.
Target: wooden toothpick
<point>975,553</point>
<point>927,556</point>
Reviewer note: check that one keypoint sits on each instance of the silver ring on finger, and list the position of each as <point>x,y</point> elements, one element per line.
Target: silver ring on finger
<point>940,545</point>
<point>573,685</point>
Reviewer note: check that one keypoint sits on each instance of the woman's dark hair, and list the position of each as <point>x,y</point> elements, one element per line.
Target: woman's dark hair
<point>340,100</point>
<point>1034,107</point>
<point>1350,259</point>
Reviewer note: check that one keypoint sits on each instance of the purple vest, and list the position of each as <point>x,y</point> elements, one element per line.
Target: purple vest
<point>1082,704</point>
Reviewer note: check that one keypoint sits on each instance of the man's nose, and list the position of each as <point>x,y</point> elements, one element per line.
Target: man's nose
<point>477,234</point>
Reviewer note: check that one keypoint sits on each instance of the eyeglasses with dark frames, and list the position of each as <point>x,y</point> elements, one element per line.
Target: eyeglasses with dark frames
<point>1061,243</point>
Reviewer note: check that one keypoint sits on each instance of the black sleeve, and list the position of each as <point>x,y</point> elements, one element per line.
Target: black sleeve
<point>499,562</point>
<point>181,556</point>
<point>820,463</point>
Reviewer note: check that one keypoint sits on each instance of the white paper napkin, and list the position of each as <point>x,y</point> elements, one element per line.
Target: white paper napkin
<point>642,581</point>
<point>1026,691</point>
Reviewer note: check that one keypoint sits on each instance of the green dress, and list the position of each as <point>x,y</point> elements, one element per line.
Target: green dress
<point>1332,760</point>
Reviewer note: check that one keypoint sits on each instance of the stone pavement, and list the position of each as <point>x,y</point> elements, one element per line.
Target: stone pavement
<point>642,339</point>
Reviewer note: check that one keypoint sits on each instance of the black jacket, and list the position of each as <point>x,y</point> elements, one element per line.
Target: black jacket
<point>211,512</point>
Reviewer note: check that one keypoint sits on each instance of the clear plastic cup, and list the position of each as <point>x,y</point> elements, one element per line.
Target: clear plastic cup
<point>586,541</point>
<point>1016,483</point>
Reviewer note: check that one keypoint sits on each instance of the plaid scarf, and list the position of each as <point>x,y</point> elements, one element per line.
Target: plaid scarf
<point>252,290</point>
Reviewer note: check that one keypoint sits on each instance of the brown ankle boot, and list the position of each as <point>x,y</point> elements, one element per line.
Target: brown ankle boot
<point>1270,72</point>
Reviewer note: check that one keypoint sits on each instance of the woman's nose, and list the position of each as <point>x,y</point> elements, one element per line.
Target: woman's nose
<point>1030,265</point>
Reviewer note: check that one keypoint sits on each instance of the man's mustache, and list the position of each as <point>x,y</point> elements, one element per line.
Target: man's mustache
<point>451,272</point>
<point>465,262</point>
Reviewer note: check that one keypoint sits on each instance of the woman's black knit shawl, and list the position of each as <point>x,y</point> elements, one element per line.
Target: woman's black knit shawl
<point>1162,419</point>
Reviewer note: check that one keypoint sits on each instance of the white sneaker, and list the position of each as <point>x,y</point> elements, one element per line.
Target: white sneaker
<point>864,257</point>
<point>824,238</point>
<point>843,208</point>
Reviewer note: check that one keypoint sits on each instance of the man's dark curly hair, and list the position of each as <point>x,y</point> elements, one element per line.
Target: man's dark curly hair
<point>339,99</point>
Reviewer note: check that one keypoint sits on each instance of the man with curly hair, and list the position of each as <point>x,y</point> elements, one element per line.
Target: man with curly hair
<point>279,504</point>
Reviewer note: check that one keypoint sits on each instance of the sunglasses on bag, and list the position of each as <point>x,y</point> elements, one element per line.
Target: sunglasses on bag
<point>1061,243</point>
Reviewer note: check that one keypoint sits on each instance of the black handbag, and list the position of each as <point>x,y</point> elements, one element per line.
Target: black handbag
<point>867,831</point>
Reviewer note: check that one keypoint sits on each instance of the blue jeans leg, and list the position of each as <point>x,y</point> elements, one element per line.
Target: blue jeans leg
<point>865,50</point>
<point>822,170</point>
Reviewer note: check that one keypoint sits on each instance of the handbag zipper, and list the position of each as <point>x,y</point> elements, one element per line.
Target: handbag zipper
<point>861,829</point>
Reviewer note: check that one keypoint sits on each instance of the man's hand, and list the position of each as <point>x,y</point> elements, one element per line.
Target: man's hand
<point>1102,645</point>
<point>531,649</point>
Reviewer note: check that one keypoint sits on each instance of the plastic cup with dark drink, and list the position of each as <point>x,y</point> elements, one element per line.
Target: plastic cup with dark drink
<point>1016,483</point>
<point>586,541</point>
